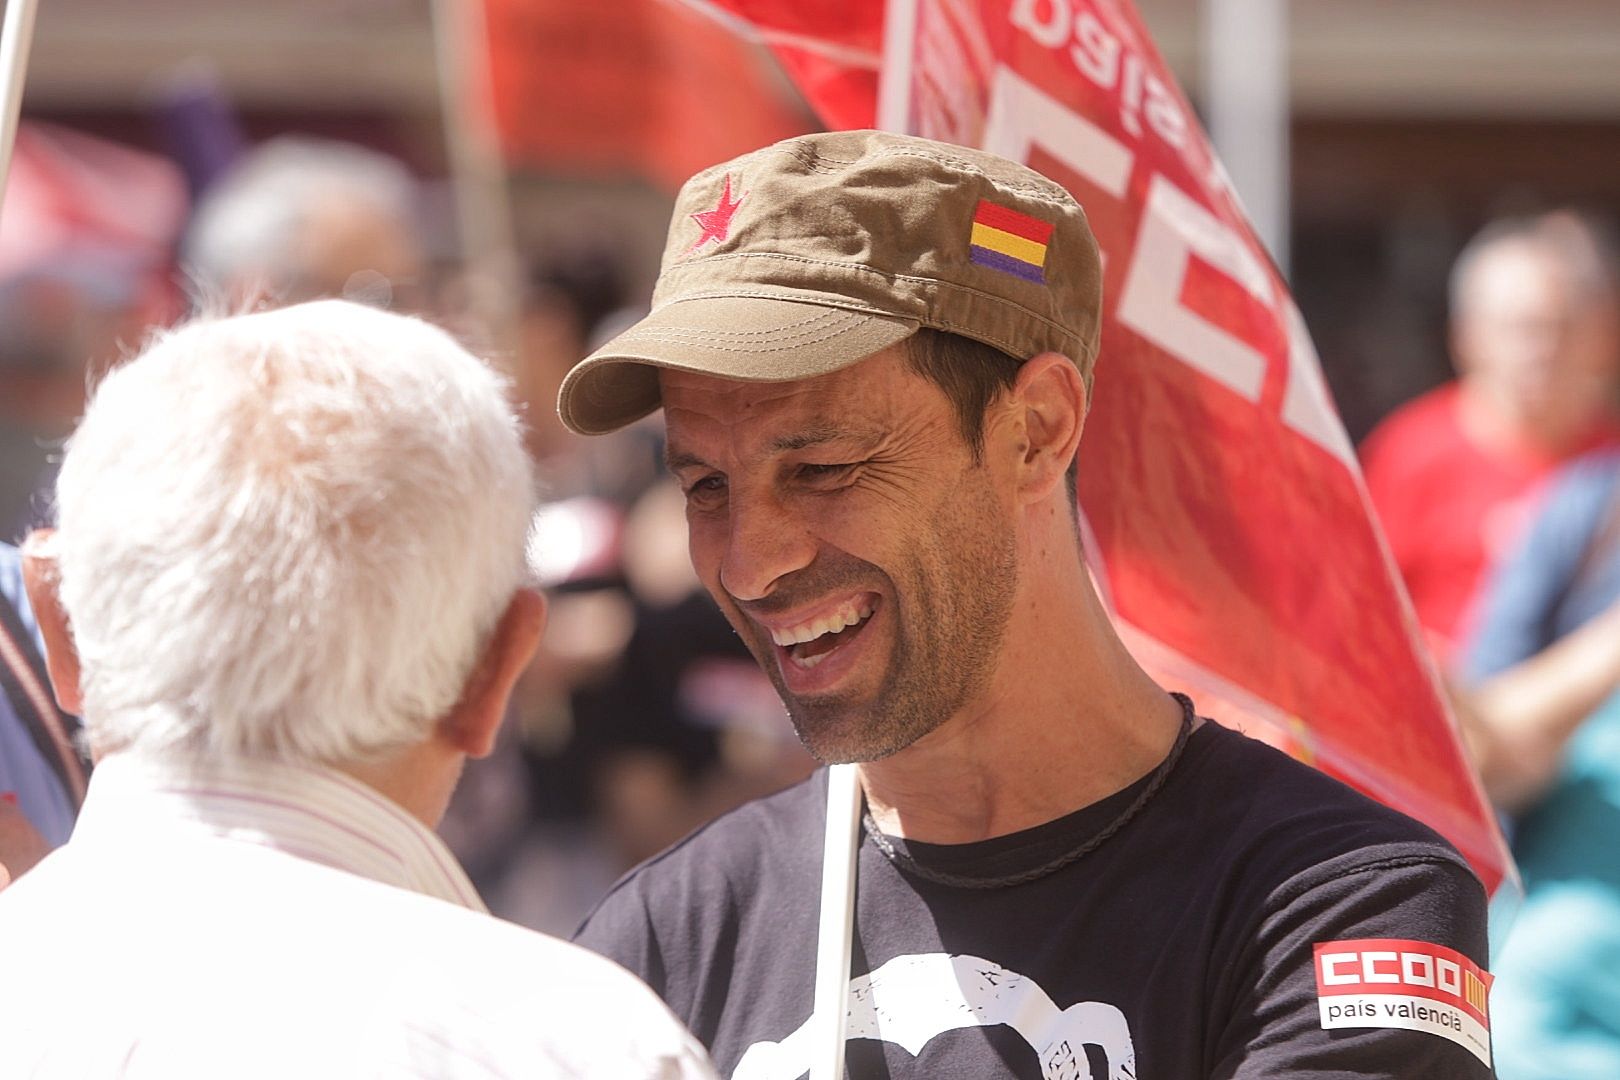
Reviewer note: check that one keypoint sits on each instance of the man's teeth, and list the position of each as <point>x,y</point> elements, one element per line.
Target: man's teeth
<point>828,624</point>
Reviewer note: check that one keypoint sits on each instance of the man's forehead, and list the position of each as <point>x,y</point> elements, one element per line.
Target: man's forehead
<point>855,403</point>
<point>878,379</point>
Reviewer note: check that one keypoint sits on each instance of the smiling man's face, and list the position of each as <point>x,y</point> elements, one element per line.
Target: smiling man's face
<point>845,529</point>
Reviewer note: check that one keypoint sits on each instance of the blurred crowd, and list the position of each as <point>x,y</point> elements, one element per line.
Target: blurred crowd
<point>643,715</point>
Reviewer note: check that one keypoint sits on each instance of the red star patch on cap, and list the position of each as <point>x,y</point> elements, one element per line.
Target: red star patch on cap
<point>716,223</point>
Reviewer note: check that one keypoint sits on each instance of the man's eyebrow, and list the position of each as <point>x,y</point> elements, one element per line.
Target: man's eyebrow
<point>675,460</point>
<point>818,435</point>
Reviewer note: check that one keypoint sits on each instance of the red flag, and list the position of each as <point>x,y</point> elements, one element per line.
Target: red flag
<point>1222,506</point>
<point>634,85</point>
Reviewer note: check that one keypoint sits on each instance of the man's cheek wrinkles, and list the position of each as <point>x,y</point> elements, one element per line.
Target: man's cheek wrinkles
<point>893,488</point>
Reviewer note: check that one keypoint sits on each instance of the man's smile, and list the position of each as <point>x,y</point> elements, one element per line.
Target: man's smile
<point>812,638</point>
<point>806,638</point>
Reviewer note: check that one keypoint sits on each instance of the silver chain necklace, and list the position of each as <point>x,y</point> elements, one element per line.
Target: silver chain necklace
<point>906,863</point>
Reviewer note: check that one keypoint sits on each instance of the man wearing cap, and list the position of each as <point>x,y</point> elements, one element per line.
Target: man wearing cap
<point>874,356</point>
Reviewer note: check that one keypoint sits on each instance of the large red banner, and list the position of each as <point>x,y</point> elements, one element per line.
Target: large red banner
<point>1224,514</point>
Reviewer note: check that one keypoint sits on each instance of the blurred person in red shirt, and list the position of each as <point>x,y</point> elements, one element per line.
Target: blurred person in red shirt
<point>1535,337</point>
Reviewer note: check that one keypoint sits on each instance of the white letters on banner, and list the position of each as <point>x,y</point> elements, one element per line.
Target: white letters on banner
<point>1174,227</point>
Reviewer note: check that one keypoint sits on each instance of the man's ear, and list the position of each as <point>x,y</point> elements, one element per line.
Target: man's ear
<point>1050,398</point>
<point>40,581</point>
<point>475,722</point>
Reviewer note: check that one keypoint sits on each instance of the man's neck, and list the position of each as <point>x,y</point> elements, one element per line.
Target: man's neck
<point>1501,426</point>
<point>1069,718</point>
<point>419,778</point>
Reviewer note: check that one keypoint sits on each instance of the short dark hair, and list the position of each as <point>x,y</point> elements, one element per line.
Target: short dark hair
<point>973,376</point>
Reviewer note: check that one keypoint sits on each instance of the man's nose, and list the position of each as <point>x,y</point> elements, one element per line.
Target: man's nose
<point>766,542</point>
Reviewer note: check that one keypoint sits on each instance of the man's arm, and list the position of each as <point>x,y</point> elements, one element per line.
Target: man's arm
<point>1529,693</point>
<point>1518,722</point>
<point>1361,968</point>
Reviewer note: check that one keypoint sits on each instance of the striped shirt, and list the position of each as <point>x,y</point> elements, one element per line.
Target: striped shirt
<point>255,918</point>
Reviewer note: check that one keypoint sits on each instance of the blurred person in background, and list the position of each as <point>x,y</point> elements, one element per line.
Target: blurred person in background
<point>291,611</point>
<point>86,242</point>
<point>60,324</point>
<point>1541,707</point>
<point>1453,474</point>
<point>643,715</point>
<point>42,767</point>
<point>300,218</point>
<point>569,291</point>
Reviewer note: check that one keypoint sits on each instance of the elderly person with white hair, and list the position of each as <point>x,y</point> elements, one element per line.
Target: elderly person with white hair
<point>288,592</point>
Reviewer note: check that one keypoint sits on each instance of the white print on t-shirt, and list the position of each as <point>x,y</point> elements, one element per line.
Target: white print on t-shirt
<point>911,999</point>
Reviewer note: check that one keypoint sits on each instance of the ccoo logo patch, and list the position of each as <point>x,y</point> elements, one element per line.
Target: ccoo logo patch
<point>1397,983</point>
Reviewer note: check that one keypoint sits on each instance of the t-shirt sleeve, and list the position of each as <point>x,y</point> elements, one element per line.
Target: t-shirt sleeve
<point>1363,968</point>
<point>1519,600</point>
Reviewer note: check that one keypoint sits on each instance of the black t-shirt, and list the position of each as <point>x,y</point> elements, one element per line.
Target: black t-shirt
<point>1247,912</point>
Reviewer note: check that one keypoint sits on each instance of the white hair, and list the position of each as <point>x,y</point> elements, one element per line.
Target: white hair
<point>289,532</point>
<point>1582,246</point>
<point>248,227</point>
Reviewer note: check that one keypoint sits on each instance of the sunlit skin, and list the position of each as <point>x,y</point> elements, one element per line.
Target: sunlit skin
<point>985,691</point>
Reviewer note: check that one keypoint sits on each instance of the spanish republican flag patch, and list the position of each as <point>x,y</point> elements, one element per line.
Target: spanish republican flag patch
<point>1011,242</point>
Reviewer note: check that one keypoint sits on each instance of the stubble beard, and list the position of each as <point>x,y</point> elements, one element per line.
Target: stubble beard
<point>949,615</point>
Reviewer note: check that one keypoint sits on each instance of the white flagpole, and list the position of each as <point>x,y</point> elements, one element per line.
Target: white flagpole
<point>899,57</point>
<point>1246,90</point>
<point>16,39</point>
<point>837,931</point>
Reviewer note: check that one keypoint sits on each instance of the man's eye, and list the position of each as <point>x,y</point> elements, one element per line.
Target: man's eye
<point>707,487</point>
<point>820,473</point>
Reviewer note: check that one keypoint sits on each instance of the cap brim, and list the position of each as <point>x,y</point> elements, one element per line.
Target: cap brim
<point>751,338</point>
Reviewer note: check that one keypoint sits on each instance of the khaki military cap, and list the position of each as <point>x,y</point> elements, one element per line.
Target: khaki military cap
<point>816,252</point>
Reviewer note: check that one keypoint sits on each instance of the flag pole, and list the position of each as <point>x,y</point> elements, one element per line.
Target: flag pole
<point>16,39</point>
<point>837,931</point>
<point>899,58</point>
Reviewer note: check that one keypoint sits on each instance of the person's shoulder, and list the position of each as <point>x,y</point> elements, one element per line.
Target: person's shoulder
<point>1283,821</point>
<point>1420,425</point>
<point>1307,867</point>
<point>526,1001</point>
<point>497,961</point>
<point>441,982</point>
<point>1592,476</point>
<point>1416,451</point>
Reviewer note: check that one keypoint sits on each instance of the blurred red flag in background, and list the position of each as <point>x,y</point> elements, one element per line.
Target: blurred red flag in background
<point>1222,506</point>
<point>630,86</point>
<point>94,213</point>
<point>72,195</point>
